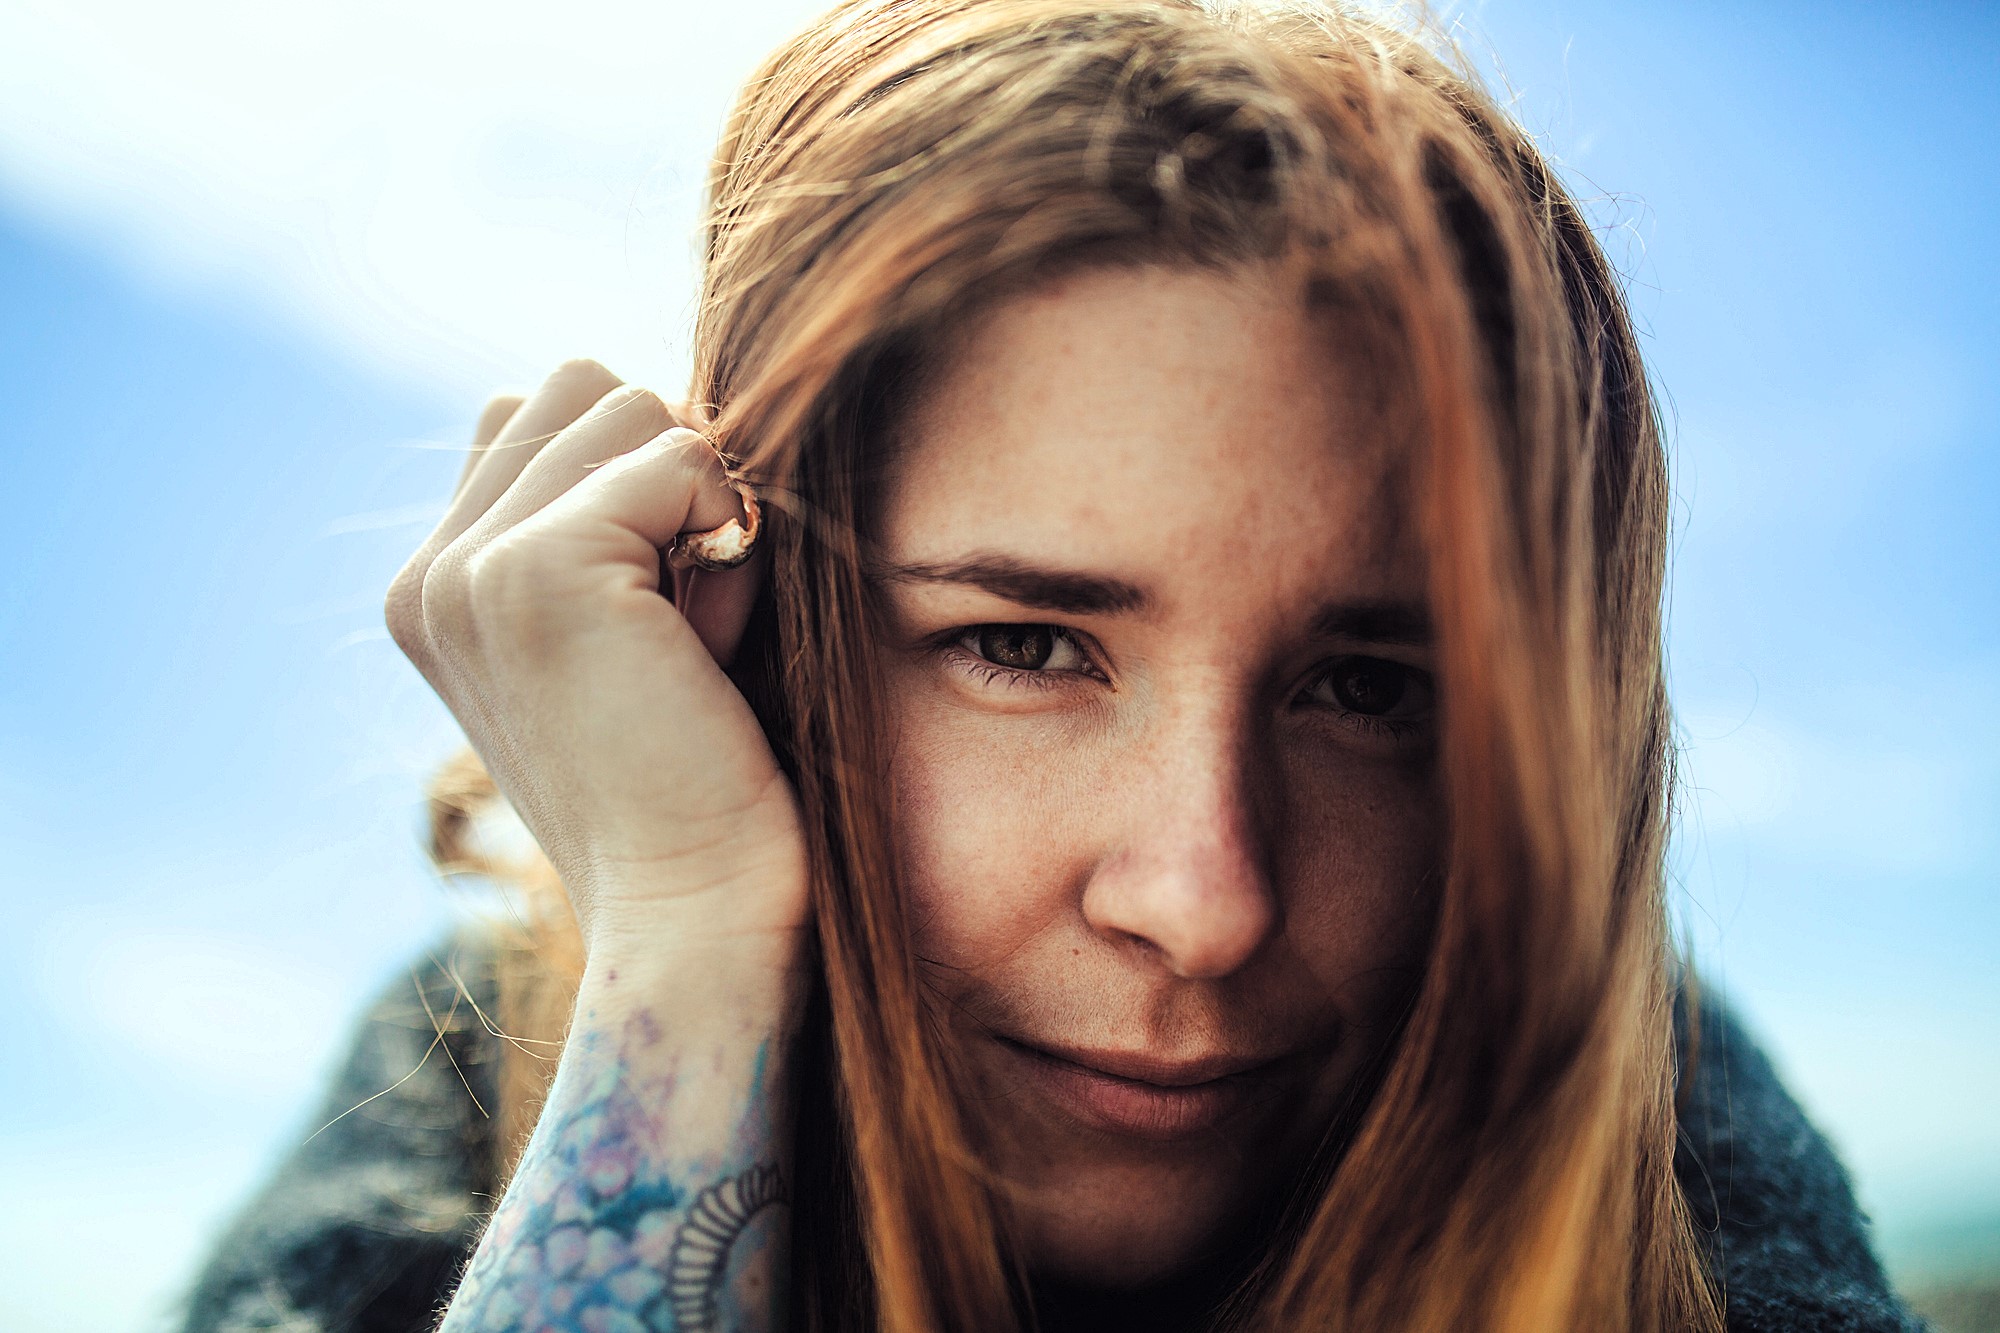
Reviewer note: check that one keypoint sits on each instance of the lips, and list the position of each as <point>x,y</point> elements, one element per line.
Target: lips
<point>1142,1096</point>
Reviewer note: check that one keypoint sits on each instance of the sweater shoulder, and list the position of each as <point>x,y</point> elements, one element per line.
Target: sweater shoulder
<point>1789,1246</point>
<point>371,1212</point>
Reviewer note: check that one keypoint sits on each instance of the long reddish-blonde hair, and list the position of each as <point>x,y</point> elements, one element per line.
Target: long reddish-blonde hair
<point>901,160</point>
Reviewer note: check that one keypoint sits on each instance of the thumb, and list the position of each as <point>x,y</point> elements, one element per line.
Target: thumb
<point>717,603</point>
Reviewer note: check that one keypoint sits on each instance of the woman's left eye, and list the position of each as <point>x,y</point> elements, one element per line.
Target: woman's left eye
<point>1024,647</point>
<point>1374,691</point>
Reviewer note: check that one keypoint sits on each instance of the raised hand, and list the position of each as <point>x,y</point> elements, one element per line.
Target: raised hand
<point>536,610</point>
<point>652,1193</point>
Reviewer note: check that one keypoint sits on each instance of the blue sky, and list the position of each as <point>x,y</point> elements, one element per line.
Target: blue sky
<point>245,328</point>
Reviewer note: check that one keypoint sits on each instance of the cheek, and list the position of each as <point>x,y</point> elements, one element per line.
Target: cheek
<point>986,827</point>
<point>1359,860</point>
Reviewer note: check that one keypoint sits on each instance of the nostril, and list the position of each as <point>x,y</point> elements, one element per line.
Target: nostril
<point>1193,917</point>
<point>1137,941</point>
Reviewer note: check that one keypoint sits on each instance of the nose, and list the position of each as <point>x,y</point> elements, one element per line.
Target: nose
<point>1187,882</point>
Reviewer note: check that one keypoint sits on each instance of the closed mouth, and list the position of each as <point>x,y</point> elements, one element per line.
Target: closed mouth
<point>1138,1095</point>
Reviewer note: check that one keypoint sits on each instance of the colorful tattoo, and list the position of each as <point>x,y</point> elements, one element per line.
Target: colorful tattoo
<point>702,1246</point>
<point>608,1229</point>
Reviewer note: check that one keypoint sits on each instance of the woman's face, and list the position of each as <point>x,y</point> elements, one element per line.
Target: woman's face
<point>1163,729</point>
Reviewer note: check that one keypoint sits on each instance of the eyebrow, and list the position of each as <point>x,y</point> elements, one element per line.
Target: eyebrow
<point>1065,591</point>
<point>1375,622</point>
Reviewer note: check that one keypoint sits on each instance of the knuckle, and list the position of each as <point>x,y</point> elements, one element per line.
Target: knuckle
<point>446,594</point>
<point>648,401</point>
<point>584,372</point>
<point>509,599</point>
<point>497,410</point>
<point>500,578</point>
<point>688,413</point>
<point>690,450</point>
<point>639,406</point>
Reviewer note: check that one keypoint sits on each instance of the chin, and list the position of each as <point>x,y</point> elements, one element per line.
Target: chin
<point>1120,1233</point>
<point>1111,1257</point>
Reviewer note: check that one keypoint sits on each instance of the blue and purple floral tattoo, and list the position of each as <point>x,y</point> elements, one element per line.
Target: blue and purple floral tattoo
<point>606,1230</point>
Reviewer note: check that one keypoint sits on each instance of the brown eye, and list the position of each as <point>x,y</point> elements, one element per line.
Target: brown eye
<point>1375,687</point>
<point>1043,655</point>
<point>1016,647</point>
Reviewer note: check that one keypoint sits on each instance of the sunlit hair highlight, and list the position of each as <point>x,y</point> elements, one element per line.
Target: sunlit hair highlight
<point>903,162</point>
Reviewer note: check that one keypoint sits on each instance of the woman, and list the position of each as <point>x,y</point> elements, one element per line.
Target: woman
<point>1165,829</point>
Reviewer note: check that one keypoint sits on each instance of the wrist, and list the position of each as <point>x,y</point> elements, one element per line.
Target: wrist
<point>631,912</point>
<point>749,983</point>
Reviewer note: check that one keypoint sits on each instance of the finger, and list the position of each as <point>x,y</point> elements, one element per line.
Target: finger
<point>492,417</point>
<point>618,423</point>
<point>564,396</point>
<point>717,603</point>
<point>673,483</point>
<point>641,500</point>
<point>693,415</point>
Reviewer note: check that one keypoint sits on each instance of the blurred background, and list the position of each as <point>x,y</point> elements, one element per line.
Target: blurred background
<point>260,263</point>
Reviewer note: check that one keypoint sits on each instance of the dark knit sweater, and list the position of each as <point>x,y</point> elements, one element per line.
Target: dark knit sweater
<point>366,1224</point>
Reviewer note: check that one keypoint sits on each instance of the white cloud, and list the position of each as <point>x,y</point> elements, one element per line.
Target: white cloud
<point>237,1012</point>
<point>465,192</point>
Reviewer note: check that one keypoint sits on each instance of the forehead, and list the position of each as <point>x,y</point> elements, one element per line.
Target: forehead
<point>1175,427</point>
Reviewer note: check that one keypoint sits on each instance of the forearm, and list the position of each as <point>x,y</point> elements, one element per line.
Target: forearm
<point>653,1192</point>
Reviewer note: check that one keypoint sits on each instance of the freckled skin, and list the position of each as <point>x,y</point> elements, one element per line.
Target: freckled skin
<point>1177,859</point>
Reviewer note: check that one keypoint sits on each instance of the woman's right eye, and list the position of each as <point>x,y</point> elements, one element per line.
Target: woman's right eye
<point>1024,648</point>
<point>1019,647</point>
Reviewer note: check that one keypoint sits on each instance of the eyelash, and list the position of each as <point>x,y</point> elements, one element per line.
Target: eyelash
<point>951,645</point>
<point>1393,728</point>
